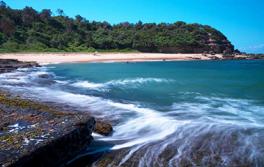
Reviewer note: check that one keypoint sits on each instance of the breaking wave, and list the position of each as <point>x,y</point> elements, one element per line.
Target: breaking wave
<point>119,83</point>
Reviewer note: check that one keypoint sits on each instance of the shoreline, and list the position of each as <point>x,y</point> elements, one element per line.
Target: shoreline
<point>57,58</point>
<point>37,133</point>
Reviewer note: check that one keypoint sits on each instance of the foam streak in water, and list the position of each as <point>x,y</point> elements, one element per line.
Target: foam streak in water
<point>119,83</point>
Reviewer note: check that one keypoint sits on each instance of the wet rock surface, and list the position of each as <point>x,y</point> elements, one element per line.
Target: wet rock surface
<point>103,128</point>
<point>34,134</point>
<point>9,65</point>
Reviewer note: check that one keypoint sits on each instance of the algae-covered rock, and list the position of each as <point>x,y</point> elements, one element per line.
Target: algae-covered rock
<point>36,134</point>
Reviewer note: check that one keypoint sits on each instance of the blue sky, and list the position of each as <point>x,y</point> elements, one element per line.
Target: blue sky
<point>242,21</point>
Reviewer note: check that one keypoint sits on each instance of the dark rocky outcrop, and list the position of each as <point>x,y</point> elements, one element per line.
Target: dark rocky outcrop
<point>60,150</point>
<point>254,56</point>
<point>35,134</point>
<point>103,128</point>
<point>8,65</point>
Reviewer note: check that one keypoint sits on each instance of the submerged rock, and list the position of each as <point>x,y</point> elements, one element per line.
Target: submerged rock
<point>103,128</point>
<point>45,76</point>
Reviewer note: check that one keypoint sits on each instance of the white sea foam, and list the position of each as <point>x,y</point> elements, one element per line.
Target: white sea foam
<point>62,82</point>
<point>150,124</point>
<point>13,78</point>
<point>134,82</point>
<point>23,76</point>
<point>137,81</point>
<point>212,125</point>
<point>86,84</point>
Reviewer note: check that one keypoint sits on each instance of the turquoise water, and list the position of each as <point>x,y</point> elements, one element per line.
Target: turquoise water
<point>164,83</point>
<point>193,113</point>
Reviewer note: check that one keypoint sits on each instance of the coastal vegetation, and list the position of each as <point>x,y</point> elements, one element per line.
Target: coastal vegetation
<point>28,30</point>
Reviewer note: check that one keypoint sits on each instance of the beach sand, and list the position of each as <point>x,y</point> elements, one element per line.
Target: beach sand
<point>51,58</point>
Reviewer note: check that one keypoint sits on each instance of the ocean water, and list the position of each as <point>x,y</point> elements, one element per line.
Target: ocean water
<point>189,113</point>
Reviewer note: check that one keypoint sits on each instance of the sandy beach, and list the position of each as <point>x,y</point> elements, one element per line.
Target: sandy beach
<point>50,58</point>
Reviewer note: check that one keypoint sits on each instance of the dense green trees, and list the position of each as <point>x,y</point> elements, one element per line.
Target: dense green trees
<point>30,30</point>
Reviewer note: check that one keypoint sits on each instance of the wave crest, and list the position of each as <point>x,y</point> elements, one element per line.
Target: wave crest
<point>120,82</point>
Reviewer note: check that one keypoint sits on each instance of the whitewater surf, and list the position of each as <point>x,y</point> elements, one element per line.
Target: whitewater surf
<point>163,113</point>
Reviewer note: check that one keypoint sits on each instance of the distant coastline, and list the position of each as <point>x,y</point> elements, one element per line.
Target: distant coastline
<point>53,58</point>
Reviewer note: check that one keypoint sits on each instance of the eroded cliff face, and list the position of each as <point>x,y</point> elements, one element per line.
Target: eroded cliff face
<point>208,44</point>
<point>218,44</point>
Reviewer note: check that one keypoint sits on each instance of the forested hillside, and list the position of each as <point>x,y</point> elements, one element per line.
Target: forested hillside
<point>31,30</point>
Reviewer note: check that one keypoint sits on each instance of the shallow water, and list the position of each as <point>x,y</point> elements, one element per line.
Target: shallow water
<point>195,113</point>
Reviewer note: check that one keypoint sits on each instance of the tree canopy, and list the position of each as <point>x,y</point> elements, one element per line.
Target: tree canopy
<point>31,30</point>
